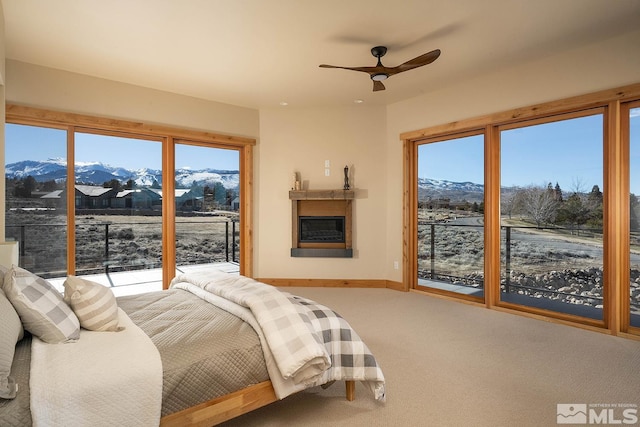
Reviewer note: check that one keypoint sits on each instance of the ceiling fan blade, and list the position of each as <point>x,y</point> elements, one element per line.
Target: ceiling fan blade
<point>363,69</point>
<point>416,62</point>
<point>377,85</point>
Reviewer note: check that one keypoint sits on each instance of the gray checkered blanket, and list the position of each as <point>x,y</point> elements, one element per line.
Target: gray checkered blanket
<point>305,343</point>
<point>351,359</point>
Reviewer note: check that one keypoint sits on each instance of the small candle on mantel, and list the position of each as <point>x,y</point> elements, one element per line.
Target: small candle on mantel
<point>296,181</point>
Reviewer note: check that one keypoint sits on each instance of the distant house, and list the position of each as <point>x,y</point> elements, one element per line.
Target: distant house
<point>54,199</point>
<point>86,197</point>
<point>93,197</point>
<point>139,198</point>
<point>189,200</point>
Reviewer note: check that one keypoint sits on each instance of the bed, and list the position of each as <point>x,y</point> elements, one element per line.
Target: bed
<point>210,348</point>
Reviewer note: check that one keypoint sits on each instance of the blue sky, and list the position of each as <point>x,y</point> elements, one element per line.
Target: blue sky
<point>568,152</point>
<point>114,151</point>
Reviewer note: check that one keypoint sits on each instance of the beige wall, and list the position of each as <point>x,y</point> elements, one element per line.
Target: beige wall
<point>43,87</point>
<point>300,140</point>
<point>603,65</point>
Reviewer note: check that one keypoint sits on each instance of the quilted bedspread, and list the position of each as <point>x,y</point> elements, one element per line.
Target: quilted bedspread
<point>105,378</point>
<point>304,343</point>
<point>206,351</point>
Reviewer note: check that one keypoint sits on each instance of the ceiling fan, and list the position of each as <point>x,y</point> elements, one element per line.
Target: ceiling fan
<point>380,72</point>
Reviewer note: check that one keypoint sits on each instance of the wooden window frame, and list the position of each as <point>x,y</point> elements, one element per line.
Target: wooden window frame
<point>625,262</point>
<point>613,102</point>
<point>168,136</point>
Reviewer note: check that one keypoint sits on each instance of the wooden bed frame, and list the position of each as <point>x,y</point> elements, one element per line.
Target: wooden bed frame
<point>232,405</point>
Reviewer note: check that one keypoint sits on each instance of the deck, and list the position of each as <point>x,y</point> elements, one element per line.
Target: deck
<point>139,281</point>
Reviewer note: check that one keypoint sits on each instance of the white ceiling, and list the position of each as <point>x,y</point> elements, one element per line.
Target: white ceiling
<point>258,53</point>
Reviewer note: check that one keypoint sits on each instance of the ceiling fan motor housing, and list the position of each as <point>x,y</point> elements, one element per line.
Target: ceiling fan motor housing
<point>378,51</point>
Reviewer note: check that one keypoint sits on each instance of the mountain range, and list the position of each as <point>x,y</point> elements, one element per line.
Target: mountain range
<point>96,173</point>
<point>455,191</point>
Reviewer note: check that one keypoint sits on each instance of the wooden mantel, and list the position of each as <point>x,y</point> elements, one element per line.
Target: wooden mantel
<point>321,194</point>
<point>321,203</point>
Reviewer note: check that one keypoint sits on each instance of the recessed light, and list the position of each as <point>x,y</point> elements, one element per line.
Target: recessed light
<point>358,101</point>
<point>284,103</point>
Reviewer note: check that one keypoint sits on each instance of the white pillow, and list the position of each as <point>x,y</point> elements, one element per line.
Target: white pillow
<point>41,308</point>
<point>10,334</point>
<point>94,304</point>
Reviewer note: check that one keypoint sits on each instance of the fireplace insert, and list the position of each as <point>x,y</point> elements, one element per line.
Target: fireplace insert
<point>325,229</point>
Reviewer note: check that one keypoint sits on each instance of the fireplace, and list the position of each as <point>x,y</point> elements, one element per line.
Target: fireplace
<point>321,223</point>
<point>328,229</point>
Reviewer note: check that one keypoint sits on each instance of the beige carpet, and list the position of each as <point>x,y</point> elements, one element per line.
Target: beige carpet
<point>452,364</point>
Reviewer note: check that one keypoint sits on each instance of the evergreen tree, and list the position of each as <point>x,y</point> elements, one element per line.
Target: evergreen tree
<point>50,185</point>
<point>25,187</point>
<point>573,212</point>
<point>558,192</point>
<point>114,183</point>
<point>219,194</point>
<point>595,207</point>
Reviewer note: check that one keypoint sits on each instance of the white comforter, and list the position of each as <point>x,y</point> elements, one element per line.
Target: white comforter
<point>103,379</point>
<point>299,337</point>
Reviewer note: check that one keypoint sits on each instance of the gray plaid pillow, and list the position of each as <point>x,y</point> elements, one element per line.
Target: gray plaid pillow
<point>41,307</point>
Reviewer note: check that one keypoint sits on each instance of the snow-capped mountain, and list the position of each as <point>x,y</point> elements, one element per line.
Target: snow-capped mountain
<point>455,191</point>
<point>98,173</point>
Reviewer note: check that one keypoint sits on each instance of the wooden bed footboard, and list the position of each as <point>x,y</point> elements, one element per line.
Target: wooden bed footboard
<point>232,405</point>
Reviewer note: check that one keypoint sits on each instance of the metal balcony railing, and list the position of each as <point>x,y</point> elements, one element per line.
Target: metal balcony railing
<point>545,262</point>
<point>108,247</point>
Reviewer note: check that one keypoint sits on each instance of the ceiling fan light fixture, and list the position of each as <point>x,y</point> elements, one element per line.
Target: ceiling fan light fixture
<point>379,77</point>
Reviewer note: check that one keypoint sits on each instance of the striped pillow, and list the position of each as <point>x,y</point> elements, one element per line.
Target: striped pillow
<point>41,308</point>
<point>94,304</point>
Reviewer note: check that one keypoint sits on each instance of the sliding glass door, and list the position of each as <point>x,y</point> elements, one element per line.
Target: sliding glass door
<point>552,214</point>
<point>118,204</point>
<point>207,205</point>
<point>142,199</point>
<point>450,232</point>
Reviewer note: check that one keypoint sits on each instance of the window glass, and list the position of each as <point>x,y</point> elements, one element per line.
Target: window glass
<point>451,215</point>
<point>118,204</point>
<point>207,186</point>
<point>36,214</point>
<point>551,216</point>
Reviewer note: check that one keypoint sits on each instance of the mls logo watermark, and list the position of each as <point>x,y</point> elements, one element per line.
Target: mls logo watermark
<point>597,413</point>
<point>572,413</point>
